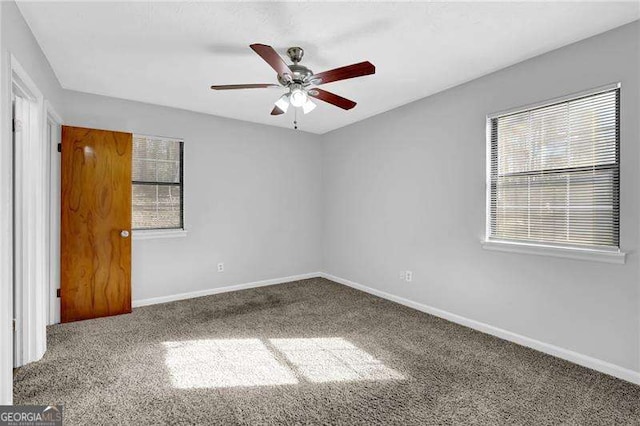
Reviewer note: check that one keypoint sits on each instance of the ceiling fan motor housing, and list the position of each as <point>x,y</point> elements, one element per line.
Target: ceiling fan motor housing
<point>299,73</point>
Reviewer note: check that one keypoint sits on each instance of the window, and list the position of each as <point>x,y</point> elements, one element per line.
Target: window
<point>157,198</point>
<point>554,175</point>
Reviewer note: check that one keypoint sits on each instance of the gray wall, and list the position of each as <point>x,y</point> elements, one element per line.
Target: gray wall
<point>252,197</point>
<point>405,190</point>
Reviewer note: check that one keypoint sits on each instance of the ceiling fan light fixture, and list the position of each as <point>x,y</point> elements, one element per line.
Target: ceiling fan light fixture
<point>296,79</point>
<point>283,102</point>
<point>308,106</point>
<point>298,97</point>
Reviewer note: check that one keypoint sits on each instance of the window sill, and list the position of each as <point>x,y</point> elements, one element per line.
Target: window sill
<point>152,234</point>
<point>566,252</point>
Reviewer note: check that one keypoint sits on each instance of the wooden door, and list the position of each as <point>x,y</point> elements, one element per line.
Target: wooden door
<point>95,242</point>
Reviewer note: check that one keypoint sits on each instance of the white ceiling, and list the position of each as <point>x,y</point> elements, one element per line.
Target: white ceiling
<point>170,53</point>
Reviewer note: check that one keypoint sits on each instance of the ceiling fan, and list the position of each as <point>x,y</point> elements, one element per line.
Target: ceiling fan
<point>300,80</point>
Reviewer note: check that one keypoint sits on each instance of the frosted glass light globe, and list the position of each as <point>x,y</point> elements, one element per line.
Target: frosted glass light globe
<point>298,97</point>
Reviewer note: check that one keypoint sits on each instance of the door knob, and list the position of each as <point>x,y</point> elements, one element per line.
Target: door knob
<point>124,233</point>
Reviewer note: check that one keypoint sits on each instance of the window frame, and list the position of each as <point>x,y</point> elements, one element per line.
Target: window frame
<point>603,253</point>
<point>180,231</point>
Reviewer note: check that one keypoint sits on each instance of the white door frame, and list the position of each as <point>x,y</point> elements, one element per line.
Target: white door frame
<point>6,242</point>
<point>54,123</point>
<point>31,222</point>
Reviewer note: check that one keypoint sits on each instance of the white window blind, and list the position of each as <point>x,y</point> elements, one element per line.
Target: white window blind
<point>555,173</point>
<point>157,198</point>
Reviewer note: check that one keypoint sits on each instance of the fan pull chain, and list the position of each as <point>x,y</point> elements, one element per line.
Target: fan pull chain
<point>295,119</point>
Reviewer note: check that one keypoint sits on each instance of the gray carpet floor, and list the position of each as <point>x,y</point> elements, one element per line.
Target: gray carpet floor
<point>308,352</point>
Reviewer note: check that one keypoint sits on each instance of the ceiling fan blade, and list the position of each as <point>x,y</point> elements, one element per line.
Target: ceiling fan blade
<point>343,73</point>
<point>244,86</point>
<point>269,54</point>
<point>276,111</point>
<point>332,98</point>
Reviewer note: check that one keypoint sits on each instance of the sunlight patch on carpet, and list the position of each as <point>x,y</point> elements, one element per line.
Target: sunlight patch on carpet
<point>224,363</point>
<point>333,359</point>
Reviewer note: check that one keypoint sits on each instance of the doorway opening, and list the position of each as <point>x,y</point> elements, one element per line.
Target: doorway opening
<point>30,218</point>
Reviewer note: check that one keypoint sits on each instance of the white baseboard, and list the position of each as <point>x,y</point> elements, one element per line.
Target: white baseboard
<point>566,354</point>
<point>217,290</point>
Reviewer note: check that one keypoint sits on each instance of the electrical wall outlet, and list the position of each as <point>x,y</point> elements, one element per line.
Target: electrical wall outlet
<point>408,276</point>
<point>220,267</point>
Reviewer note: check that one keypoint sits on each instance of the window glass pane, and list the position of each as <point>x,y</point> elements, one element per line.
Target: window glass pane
<point>156,160</point>
<point>555,173</point>
<point>570,134</point>
<point>156,206</point>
